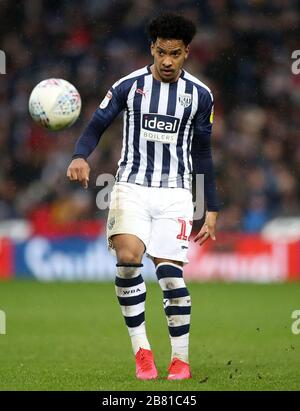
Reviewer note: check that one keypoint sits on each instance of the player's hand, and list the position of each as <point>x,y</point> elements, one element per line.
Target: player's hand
<point>208,229</point>
<point>79,170</point>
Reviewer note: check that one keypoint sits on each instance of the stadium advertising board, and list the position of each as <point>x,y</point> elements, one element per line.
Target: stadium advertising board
<point>244,258</point>
<point>232,258</point>
<point>6,258</point>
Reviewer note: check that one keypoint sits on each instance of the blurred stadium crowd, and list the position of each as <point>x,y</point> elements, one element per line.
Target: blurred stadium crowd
<point>242,51</point>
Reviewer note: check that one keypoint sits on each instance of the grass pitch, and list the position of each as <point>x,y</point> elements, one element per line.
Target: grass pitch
<point>71,336</point>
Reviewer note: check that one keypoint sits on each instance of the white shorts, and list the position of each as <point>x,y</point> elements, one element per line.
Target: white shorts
<point>161,217</point>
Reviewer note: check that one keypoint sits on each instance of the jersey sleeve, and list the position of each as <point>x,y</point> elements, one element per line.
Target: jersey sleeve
<point>112,104</point>
<point>201,148</point>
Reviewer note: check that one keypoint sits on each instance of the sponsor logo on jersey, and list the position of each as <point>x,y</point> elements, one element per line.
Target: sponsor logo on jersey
<point>185,99</point>
<point>159,122</point>
<point>161,128</point>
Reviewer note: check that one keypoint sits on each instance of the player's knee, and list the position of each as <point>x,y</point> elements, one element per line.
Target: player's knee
<point>170,276</point>
<point>158,261</point>
<point>127,272</point>
<point>127,257</point>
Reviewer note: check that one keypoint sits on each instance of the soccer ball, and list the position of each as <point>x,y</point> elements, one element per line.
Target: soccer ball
<point>54,104</point>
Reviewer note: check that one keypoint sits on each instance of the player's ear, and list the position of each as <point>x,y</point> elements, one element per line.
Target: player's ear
<point>152,48</point>
<point>187,51</point>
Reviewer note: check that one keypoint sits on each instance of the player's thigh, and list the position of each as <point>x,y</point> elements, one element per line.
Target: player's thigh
<point>128,215</point>
<point>169,240</point>
<point>129,248</point>
<point>172,227</point>
<point>157,261</point>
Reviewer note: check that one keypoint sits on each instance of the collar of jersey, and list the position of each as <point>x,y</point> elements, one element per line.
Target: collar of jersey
<point>149,71</point>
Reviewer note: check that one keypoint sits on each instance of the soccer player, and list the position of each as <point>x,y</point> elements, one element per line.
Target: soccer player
<point>166,137</point>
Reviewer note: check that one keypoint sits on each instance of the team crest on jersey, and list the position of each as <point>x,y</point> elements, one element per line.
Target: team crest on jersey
<point>185,99</point>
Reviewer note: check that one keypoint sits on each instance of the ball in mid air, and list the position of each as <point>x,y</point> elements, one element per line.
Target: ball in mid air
<point>54,104</point>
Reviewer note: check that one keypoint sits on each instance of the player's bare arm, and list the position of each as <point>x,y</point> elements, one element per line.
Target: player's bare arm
<point>79,170</point>
<point>208,230</point>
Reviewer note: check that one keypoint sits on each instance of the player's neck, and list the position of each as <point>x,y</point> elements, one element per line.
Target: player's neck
<point>157,77</point>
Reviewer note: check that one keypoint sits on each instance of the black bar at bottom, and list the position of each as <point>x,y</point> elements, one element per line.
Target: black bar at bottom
<point>95,400</point>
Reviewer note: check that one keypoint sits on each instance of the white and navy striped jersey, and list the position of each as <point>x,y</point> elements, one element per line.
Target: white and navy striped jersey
<point>160,122</point>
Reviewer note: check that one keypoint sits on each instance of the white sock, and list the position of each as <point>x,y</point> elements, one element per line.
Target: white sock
<point>130,287</point>
<point>180,347</point>
<point>139,338</point>
<point>177,305</point>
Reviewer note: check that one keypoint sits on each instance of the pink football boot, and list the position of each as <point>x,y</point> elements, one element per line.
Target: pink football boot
<point>179,370</point>
<point>145,365</point>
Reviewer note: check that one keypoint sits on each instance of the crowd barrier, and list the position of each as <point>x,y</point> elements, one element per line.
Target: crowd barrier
<point>233,257</point>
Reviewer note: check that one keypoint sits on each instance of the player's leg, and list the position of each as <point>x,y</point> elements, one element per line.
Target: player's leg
<point>128,230</point>
<point>177,306</point>
<point>128,247</point>
<point>131,293</point>
<point>168,247</point>
<point>130,287</point>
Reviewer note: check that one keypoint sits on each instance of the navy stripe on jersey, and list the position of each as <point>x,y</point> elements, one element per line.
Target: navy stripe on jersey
<point>124,161</point>
<point>151,144</point>
<point>136,134</point>
<point>189,145</point>
<point>187,111</point>
<point>166,147</point>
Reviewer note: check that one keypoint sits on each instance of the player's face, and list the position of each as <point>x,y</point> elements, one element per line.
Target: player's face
<point>169,56</point>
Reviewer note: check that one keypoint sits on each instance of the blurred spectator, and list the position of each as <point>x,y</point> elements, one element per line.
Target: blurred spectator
<point>242,51</point>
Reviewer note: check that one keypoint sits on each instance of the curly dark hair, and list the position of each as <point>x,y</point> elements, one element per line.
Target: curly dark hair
<point>171,26</point>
